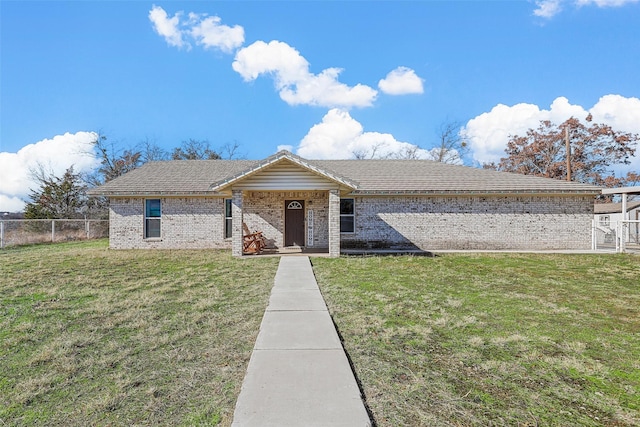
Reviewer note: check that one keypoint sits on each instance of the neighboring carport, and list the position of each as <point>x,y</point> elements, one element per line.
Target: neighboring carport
<point>624,193</point>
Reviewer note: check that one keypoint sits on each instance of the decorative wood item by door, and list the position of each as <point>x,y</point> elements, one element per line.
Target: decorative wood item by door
<point>294,223</point>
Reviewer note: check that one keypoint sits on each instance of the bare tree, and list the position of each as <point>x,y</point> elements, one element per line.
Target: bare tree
<point>230,151</point>
<point>451,147</point>
<point>151,151</point>
<point>372,152</point>
<point>376,151</point>
<point>194,149</point>
<point>113,161</point>
<point>409,152</point>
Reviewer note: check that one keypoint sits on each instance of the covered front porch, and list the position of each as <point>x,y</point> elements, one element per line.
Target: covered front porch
<point>290,221</point>
<point>294,204</point>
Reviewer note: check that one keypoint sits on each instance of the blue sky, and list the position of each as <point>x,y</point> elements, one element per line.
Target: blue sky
<point>322,78</point>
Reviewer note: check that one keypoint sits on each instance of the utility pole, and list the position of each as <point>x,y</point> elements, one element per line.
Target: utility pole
<point>568,152</point>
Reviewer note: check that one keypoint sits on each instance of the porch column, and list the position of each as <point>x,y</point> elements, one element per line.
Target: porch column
<point>624,227</point>
<point>236,223</point>
<point>334,223</point>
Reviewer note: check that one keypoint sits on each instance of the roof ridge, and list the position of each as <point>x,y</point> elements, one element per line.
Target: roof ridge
<point>371,176</point>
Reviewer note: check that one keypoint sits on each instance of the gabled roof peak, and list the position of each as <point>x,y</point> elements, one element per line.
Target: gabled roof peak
<point>278,157</point>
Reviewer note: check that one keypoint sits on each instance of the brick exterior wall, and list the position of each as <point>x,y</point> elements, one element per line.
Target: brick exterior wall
<point>186,223</point>
<point>429,223</point>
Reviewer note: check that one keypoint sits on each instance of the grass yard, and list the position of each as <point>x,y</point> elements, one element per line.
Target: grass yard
<point>491,339</point>
<point>90,336</point>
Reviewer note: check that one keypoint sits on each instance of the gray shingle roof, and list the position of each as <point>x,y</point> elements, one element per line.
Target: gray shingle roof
<point>425,176</point>
<point>601,208</point>
<point>173,177</point>
<point>190,177</point>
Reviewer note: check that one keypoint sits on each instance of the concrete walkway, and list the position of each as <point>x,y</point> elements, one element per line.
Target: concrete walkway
<point>298,374</point>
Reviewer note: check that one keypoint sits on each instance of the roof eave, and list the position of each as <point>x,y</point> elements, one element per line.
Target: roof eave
<point>354,193</point>
<point>155,193</point>
<point>622,190</point>
<point>472,192</point>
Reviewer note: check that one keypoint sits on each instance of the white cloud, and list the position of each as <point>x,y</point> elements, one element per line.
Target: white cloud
<point>11,203</point>
<point>167,27</point>
<point>292,78</point>
<point>550,8</point>
<point>619,112</point>
<point>210,33</point>
<point>401,81</point>
<point>547,8</point>
<point>285,147</point>
<point>489,133</point>
<point>339,136</point>
<point>56,154</point>
<point>605,3</point>
<point>277,58</point>
<point>622,114</point>
<point>205,30</point>
<point>294,82</point>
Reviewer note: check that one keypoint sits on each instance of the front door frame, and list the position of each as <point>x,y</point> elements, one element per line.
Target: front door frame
<point>294,223</point>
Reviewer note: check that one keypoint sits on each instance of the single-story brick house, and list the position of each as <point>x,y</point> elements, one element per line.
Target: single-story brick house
<point>340,204</point>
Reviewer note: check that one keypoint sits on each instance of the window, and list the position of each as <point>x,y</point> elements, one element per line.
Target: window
<point>152,218</point>
<point>228,228</point>
<point>347,216</point>
<point>604,220</point>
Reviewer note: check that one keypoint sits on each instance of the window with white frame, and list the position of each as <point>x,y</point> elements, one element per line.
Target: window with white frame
<point>604,220</point>
<point>347,215</point>
<point>152,218</point>
<point>228,225</point>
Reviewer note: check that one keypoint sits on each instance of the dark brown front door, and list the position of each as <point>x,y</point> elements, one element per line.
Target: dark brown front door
<point>294,223</point>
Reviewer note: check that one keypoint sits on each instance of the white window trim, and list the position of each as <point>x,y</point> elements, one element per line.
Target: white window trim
<point>146,218</point>
<point>224,223</point>
<point>352,215</point>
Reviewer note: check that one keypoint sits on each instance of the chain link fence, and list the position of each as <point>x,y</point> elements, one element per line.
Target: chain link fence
<point>15,232</point>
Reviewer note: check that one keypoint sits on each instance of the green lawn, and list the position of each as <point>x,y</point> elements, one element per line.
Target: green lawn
<point>491,339</point>
<point>90,336</point>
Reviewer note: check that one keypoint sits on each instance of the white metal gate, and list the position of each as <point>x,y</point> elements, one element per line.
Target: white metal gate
<point>628,236</point>
<point>622,236</point>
